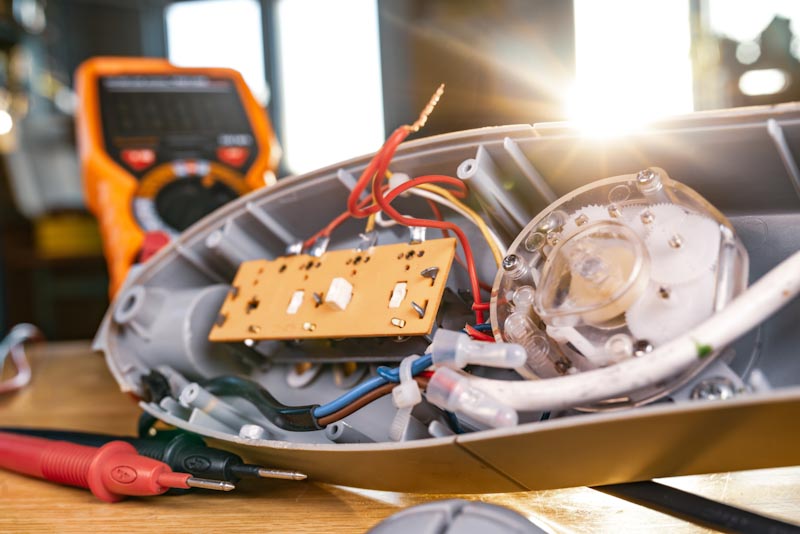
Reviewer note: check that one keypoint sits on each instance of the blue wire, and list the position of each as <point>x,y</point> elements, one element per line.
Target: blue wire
<point>385,375</point>
<point>483,327</point>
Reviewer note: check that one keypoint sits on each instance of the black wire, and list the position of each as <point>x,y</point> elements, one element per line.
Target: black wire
<point>294,418</point>
<point>146,422</point>
<point>696,509</point>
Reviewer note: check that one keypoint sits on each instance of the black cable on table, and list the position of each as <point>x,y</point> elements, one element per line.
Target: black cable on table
<point>697,509</point>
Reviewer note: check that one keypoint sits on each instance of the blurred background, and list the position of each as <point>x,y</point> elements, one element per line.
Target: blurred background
<point>358,68</point>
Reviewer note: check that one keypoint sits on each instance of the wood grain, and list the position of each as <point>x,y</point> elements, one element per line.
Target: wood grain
<point>72,389</point>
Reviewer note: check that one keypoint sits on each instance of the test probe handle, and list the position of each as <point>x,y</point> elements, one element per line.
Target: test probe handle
<point>111,472</point>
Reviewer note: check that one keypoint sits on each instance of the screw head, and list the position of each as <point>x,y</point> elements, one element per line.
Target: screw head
<point>510,262</point>
<point>642,347</point>
<point>646,176</point>
<point>714,388</point>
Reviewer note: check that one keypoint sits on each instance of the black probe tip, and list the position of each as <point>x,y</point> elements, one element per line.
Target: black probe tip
<point>257,471</point>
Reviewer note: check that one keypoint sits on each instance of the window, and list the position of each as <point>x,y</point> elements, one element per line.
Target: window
<point>219,33</point>
<point>632,62</point>
<point>329,72</point>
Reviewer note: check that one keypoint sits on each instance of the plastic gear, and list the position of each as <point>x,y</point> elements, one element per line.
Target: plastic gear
<point>681,248</point>
<point>664,312</point>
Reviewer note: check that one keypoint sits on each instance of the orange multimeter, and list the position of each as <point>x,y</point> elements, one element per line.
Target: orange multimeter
<point>162,146</point>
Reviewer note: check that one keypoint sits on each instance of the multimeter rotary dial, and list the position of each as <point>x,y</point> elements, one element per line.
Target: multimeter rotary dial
<point>175,195</point>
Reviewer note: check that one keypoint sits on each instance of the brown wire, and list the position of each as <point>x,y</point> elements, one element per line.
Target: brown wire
<point>372,396</point>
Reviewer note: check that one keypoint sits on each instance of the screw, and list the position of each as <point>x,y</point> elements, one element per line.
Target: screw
<point>309,327</point>
<point>646,176</point>
<point>510,262</point>
<point>581,219</point>
<point>399,323</point>
<point>676,241</point>
<point>614,212</point>
<point>642,347</point>
<point>663,292</point>
<point>647,217</point>
<point>714,388</point>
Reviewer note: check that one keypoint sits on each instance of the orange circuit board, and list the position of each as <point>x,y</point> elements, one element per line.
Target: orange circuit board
<point>389,290</point>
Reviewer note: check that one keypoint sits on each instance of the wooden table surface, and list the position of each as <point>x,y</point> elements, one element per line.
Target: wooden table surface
<point>72,389</point>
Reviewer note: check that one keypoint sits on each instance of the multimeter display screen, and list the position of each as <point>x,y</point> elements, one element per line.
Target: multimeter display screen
<point>141,106</point>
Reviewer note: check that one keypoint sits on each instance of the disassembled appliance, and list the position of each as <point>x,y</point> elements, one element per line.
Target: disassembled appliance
<point>363,354</point>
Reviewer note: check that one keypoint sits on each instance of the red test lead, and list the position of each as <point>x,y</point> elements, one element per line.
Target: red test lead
<point>111,472</point>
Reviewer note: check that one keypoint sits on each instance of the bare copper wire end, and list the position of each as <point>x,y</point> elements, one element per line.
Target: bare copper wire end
<point>427,110</point>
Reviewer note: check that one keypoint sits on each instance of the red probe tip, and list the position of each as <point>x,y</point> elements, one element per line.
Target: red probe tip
<point>186,481</point>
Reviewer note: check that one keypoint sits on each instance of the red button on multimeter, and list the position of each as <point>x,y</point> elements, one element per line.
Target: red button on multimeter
<point>235,156</point>
<point>161,147</point>
<point>138,159</point>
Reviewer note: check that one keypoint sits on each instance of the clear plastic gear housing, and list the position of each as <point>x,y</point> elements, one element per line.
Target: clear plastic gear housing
<point>613,270</point>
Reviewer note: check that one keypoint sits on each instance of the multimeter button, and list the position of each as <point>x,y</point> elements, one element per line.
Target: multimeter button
<point>235,156</point>
<point>153,242</point>
<point>138,159</point>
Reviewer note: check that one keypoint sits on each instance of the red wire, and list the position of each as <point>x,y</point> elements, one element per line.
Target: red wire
<point>377,167</point>
<point>475,334</point>
<point>375,173</point>
<point>383,202</point>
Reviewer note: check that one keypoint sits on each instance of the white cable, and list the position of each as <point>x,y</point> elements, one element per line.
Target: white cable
<point>383,223</point>
<point>765,297</point>
<point>444,202</point>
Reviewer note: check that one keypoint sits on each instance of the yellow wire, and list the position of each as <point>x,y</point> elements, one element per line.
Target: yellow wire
<point>480,223</point>
<point>370,223</point>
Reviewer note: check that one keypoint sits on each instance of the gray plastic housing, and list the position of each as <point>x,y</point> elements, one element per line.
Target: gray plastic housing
<point>741,161</point>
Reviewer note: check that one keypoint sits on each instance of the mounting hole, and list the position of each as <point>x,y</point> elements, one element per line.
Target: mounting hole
<point>261,270</point>
<point>366,260</point>
<point>357,260</point>
<point>129,305</point>
<point>305,277</point>
<point>353,273</point>
<point>400,256</point>
<point>283,268</point>
<point>408,267</point>
<point>252,304</point>
<point>409,254</point>
<point>420,253</point>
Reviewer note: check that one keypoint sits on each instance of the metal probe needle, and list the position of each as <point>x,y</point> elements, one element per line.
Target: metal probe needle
<point>204,483</point>
<point>249,470</point>
<point>263,472</point>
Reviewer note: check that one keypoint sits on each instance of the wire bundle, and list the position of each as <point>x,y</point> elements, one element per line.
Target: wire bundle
<point>430,187</point>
